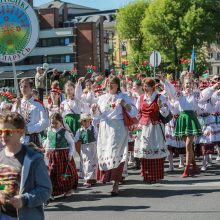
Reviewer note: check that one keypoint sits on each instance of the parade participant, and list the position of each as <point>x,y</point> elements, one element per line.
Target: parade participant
<point>71,107</point>
<point>40,82</point>
<point>59,147</point>
<point>151,143</point>
<point>174,144</point>
<point>33,111</point>
<point>88,97</point>
<point>206,118</point>
<point>55,101</point>
<point>216,127</point>
<point>23,176</point>
<point>87,135</point>
<point>112,142</point>
<point>187,124</point>
<point>35,94</point>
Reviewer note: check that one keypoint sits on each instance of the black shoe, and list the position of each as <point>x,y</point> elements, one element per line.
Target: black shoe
<point>114,194</point>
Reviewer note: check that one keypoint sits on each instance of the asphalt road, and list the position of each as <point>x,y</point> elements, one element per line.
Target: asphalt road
<point>174,198</point>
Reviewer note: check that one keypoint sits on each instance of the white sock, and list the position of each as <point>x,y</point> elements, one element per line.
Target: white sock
<point>210,158</point>
<point>170,159</point>
<point>205,160</point>
<point>181,156</point>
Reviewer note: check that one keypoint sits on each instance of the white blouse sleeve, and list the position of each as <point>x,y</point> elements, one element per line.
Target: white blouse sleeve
<point>77,136</point>
<point>78,91</point>
<point>206,94</point>
<point>215,97</point>
<point>170,90</point>
<point>133,112</point>
<point>164,110</point>
<point>71,143</point>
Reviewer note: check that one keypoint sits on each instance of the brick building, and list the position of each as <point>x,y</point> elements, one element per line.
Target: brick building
<point>64,42</point>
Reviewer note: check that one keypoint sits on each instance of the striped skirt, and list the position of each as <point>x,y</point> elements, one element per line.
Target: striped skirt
<point>63,173</point>
<point>110,175</point>
<point>152,169</point>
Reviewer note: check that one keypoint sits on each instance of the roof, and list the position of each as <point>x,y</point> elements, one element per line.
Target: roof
<point>59,4</point>
<point>85,19</point>
<point>20,74</point>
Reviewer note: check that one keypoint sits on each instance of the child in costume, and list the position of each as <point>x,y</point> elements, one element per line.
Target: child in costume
<point>59,147</point>
<point>88,153</point>
<point>71,108</point>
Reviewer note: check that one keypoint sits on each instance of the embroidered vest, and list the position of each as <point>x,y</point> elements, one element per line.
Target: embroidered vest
<point>148,112</point>
<point>57,139</point>
<point>87,136</point>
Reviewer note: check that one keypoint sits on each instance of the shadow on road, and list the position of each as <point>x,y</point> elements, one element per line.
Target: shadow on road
<point>64,207</point>
<point>163,193</point>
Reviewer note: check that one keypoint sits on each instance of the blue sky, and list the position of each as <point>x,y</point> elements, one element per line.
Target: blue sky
<point>99,4</point>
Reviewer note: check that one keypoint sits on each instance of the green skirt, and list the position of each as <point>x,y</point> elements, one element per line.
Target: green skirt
<point>187,124</point>
<point>73,122</point>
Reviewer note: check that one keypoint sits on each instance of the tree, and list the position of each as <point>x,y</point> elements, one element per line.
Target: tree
<point>129,20</point>
<point>174,27</point>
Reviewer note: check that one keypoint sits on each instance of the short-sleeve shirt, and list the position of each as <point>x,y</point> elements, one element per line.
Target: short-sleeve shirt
<point>10,177</point>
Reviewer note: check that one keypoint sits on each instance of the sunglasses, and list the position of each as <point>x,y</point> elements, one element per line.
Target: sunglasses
<point>217,78</point>
<point>9,132</point>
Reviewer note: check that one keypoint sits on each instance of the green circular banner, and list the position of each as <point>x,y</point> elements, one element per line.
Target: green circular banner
<point>19,29</point>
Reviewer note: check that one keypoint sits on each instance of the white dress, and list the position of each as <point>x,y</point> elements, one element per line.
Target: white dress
<point>112,143</point>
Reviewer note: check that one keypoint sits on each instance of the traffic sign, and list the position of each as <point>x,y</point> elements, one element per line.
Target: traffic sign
<point>155,59</point>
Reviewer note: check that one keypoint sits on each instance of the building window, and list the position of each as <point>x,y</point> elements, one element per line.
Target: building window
<point>218,69</point>
<point>218,56</point>
<point>57,41</point>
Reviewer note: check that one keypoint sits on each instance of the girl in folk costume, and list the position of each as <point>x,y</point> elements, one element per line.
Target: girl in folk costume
<point>87,135</point>
<point>112,142</point>
<point>71,107</point>
<point>151,142</point>
<point>88,96</point>
<point>206,118</point>
<point>59,147</point>
<point>33,111</point>
<point>174,144</point>
<point>54,105</point>
<point>187,124</point>
<point>216,127</point>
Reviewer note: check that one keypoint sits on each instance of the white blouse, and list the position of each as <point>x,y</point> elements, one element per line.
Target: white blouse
<point>72,106</point>
<point>35,115</point>
<point>111,109</point>
<point>188,102</point>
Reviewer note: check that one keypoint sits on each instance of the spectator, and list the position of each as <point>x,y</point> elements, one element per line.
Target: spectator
<point>40,82</point>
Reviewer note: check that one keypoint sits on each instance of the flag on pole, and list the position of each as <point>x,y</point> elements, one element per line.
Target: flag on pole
<point>192,68</point>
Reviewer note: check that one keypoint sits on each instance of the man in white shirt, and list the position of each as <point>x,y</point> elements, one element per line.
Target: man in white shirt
<point>33,111</point>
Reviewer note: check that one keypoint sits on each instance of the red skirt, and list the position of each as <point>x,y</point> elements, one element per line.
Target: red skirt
<point>110,175</point>
<point>152,169</point>
<point>63,173</point>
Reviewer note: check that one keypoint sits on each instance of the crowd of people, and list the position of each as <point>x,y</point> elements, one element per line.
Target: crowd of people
<point>167,118</point>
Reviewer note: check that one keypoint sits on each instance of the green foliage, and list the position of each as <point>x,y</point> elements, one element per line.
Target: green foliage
<point>173,27</point>
<point>129,20</point>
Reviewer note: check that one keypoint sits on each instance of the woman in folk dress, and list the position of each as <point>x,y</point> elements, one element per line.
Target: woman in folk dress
<point>187,124</point>
<point>151,148</point>
<point>112,143</point>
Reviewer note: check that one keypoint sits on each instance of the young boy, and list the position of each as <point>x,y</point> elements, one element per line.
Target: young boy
<point>33,111</point>
<point>24,181</point>
<point>88,152</point>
